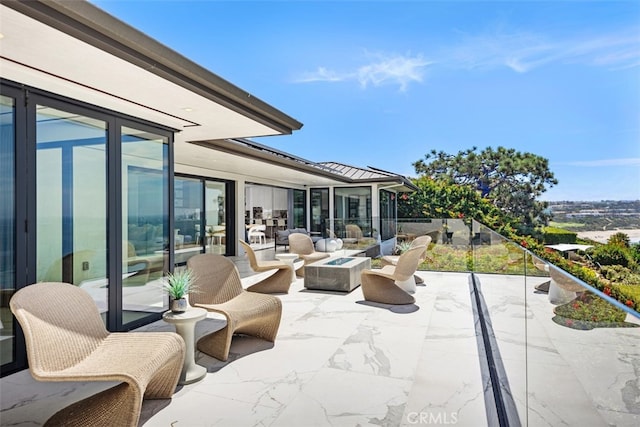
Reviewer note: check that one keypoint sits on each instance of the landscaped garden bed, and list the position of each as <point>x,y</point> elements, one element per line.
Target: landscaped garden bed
<point>588,311</point>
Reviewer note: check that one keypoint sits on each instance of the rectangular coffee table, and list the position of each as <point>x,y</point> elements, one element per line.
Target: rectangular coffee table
<point>335,274</point>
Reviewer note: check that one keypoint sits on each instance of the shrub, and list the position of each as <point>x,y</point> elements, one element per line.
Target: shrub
<point>619,239</point>
<point>611,254</point>
<point>635,252</point>
<point>588,307</point>
<point>555,235</point>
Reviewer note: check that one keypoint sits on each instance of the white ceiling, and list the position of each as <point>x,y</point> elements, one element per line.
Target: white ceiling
<point>199,160</point>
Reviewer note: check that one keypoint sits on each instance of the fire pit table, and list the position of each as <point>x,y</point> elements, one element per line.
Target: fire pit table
<point>335,274</point>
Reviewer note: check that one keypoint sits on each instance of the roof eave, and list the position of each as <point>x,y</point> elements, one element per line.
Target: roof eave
<point>401,184</point>
<point>92,25</point>
<point>231,147</point>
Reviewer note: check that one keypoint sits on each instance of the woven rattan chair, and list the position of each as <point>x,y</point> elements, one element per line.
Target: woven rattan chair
<point>418,241</point>
<point>383,285</point>
<point>67,341</point>
<point>278,282</point>
<point>302,245</point>
<point>218,289</point>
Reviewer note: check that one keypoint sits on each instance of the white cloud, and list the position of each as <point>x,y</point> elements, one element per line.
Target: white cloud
<point>320,75</point>
<point>398,70</point>
<point>525,51</point>
<point>519,51</point>
<point>606,162</point>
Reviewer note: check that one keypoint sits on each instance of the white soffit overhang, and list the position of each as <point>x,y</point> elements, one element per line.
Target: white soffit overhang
<point>38,55</point>
<point>196,159</point>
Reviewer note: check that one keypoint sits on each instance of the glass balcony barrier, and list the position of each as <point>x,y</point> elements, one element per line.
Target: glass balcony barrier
<point>554,349</point>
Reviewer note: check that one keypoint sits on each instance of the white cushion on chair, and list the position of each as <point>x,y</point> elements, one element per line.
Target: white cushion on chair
<point>328,245</point>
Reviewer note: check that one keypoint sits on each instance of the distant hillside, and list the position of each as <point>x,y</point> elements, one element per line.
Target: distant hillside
<point>603,215</point>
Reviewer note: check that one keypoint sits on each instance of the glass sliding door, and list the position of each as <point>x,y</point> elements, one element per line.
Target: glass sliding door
<point>269,207</point>
<point>319,210</point>
<point>84,201</point>
<point>299,209</point>
<point>215,203</point>
<point>145,223</point>
<point>71,195</point>
<point>188,221</point>
<point>202,218</point>
<point>388,212</point>
<point>7,227</point>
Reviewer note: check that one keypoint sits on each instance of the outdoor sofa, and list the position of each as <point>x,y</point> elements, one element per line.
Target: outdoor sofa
<point>282,236</point>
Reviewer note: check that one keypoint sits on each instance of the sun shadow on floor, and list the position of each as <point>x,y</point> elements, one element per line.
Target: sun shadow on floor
<point>399,309</point>
<point>326,291</point>
<point>241,346</point>
<point>153,406</point>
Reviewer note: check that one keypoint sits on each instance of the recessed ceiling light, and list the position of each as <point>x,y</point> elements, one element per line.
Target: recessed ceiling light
<point>188,109</point>
<point>1,36</point>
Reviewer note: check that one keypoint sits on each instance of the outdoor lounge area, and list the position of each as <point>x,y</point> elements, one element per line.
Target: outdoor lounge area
<point>338,360</point>
<point>109,189</point>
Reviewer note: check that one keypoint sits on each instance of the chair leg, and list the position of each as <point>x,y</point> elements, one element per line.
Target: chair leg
<point>163,384</point>
<point>266,326</point>
<point>408,285</point>
<point>217,344</point>
<point>117,406</point>
<point>383,290</point>
<point>278,283</point>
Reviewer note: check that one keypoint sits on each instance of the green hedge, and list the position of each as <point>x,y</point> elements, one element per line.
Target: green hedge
<point>555,235</point>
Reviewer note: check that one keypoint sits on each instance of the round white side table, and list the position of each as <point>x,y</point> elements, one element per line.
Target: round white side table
<point>289,258</point>
<point>185,324</point>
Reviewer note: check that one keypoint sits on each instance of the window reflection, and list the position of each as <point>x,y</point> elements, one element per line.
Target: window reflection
<point>387,214</point>
<point>216,217</point>
<point>266,207</point>
<point>7,227</point>
<point>319,210</point>
<point>200,224</point>
<point>145,234</point>
<point>71,201</point>
<point>352,207</point>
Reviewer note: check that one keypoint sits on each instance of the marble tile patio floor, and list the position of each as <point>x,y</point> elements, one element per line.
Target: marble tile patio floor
<point>337,361</point>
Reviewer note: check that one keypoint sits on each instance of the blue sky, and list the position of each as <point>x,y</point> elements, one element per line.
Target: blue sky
<point>381,83</point>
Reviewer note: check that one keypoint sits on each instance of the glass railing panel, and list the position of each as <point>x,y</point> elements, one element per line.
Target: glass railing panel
<point>493,253</point>
<point>358,233</point>
<point>500,291</point>
<point>583,351</point>
<point>568,351</point>
<point>449,249</point>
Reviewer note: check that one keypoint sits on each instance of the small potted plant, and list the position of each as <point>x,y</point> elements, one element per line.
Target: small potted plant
<point>178,285</point>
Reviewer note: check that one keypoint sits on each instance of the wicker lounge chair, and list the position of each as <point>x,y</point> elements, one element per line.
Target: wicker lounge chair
<point>418,241</point>
<point>380,285</point>
<point>67,341</point>
<point>278,282</point>
<point>218,289</point>
<point>302,245</point>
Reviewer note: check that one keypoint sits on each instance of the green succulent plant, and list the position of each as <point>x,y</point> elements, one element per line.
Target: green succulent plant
<point>179,284</point>
<point>403,247</point>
